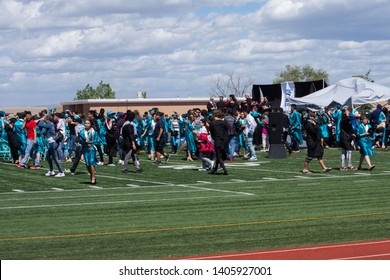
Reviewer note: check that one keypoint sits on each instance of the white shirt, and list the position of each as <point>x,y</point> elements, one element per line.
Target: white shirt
<point>250,124</point>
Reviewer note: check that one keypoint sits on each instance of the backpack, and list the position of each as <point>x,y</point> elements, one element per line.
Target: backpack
<point>59,136</point>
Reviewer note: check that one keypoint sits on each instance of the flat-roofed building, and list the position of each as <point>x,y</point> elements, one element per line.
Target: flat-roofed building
<point>166,105</point>
<point>15,110</point>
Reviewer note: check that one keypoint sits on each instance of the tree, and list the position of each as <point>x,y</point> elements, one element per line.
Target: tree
<point>102,91</point>
<point>366,76</point>
<point>232,83</point>
<point>300,74</point>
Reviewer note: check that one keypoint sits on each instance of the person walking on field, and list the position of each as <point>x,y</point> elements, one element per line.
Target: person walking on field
<point>130,144</point>
<point>86,138</point>
<point>30,126</point>
<point>52,153</point>
<point>365,143</point>
<point>347,135</point>
<point>295,128</point>
<point>110,126</point>
<point>250,126</point>
<point>314,146</point>
<point>219,133</point>
<point>159,138</point>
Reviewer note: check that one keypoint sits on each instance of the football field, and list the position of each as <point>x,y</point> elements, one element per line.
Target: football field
<point>175,210</point>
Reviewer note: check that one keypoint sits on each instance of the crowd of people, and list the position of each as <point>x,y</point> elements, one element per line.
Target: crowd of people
<point>225,130</point>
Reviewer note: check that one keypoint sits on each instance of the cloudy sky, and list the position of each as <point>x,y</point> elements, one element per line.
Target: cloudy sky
<point>51,48</point>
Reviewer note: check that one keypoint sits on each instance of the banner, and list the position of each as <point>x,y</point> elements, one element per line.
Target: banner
<point>288,92</point>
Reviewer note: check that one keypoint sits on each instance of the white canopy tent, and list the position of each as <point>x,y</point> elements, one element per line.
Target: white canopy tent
<point>357,90</point>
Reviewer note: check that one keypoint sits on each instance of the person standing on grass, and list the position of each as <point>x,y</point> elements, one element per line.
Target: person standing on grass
<point>189,127</point>
<point>264,123</point>
<point>40,147</point>
<point>86,138</point>
<point>110,125</point>
<point>249,131</point>
<point>219,133</point>
<point>96,125</point>
<point>364,132</point>
<point>175,132</point>
<point>52,153</point>
<point>3,122</point>
<point>346,137</point>
<point>232,133</point>
<point>314,146</point>
<point>323,121</point>
<point>20,135</point>
<point>242,144</point>
<point>337,116</point>
<point>78,152</point>
<point>295,128</point>
<point>160,139</point>
<point>12,142</point>
<point>130,145</point>
<point>119,123</point>
<point>206,148</point>
<point>150,124</point>
<point>139,123</point>
<point>31,130</point>
<point>59,120</point>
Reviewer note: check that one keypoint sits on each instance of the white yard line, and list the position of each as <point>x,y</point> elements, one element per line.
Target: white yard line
<point>238,180</point>
<point>302,177</point>
<point>86,190</point>
<point>99,195</point>
<point>131,179</point>
<point>214,190</point>
<point>111,202</point>
<point>96,187</point>
<point>270,179</point>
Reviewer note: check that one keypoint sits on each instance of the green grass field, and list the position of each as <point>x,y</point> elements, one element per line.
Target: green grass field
<point>175,210</point>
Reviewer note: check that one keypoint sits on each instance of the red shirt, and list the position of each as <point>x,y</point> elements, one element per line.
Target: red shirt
<point>30,127</point>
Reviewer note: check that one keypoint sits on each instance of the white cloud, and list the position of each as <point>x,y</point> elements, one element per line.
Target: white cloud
<point>52,48</point>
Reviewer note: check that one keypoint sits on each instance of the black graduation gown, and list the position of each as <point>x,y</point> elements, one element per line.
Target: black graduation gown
<point>313,140</point>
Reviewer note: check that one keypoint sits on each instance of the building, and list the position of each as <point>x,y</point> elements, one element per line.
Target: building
<point>166,105</point>
<point>15,110</point>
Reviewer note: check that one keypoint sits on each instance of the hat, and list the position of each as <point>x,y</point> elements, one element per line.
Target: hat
<point>109,112</point>
<point>152,111</point>
<point>49,118</point>
<point>311,114</point>
<point>2,113</point>
<point>121,114</point>
<point>76,118</point>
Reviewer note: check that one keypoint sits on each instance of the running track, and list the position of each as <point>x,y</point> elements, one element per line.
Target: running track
<point>367,250</point>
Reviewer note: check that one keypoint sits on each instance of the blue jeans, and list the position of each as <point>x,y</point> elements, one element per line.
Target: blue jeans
<point>60,150</point>
<point>249,140</point>
<point>72,144</point>
<point>53,155</point>
<point>29,150</point>
<point>232,145</point>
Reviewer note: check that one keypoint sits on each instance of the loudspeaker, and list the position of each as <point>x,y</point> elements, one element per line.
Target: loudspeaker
<point>276,128</point>
<point>256,92</point>
<point>277,151</point>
